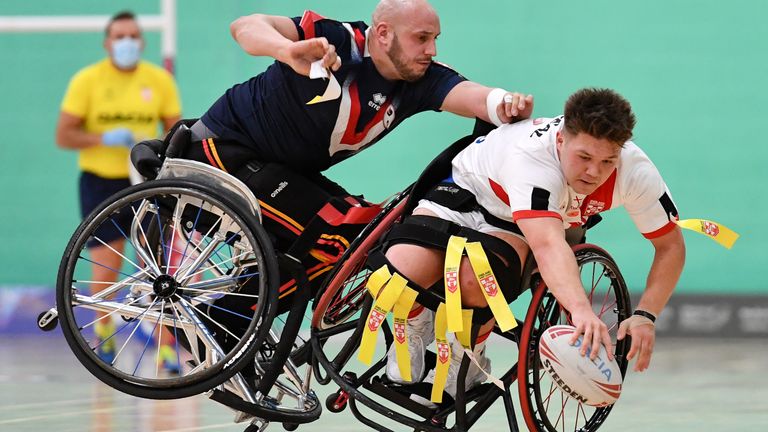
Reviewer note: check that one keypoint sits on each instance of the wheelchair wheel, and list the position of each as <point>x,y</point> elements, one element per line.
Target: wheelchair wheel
<point>196,286</point>
<point>545,406</point>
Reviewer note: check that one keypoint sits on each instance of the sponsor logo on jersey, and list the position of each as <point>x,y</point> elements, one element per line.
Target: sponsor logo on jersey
<point>279,189</point>
<point>378,101</point>
<point>539,132</point>
<point>389,117</point>
<point>124,117</point>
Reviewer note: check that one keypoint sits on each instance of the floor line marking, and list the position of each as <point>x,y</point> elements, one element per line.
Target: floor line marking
<point>68,414</point>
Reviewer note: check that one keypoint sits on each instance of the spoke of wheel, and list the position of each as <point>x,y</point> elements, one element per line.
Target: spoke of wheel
<point>115,286</point>
<point>580,409</point>
<point>192,339</point>
<point>160,229</point>
<point>254,296</point>
<point>128,339</point>
<point>221,282</point>
<point>136,225</point>
<point>196,261</point>
<point>216,265</point>
<point>159,337</point>
<point>146,344</point>
<point>118,271</point>
<point>215,322</point>
<point>114,311</point>
<point>174,226</point>
<point>190,239</point>
<point>95,282</point>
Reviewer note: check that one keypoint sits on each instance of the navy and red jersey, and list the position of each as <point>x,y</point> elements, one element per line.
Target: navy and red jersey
<point>269,112</point>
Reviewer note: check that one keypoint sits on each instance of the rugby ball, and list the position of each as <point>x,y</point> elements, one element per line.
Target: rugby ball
<point>592,382</point>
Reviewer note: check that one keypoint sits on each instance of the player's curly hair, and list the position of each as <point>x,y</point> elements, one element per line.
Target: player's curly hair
<point>600,113</point>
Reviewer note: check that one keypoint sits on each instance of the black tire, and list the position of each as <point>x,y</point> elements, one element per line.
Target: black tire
<point>237,267</point>
<point>330,403</point>
<point>608,291</point>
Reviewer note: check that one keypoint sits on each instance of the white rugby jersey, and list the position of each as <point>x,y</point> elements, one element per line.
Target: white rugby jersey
<point>514,172</point>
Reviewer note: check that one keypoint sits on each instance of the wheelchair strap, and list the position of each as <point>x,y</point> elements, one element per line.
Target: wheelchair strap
<point>443,354</point>
<point>402,309</point>
<point>485,278</point>
<point>386,289</point>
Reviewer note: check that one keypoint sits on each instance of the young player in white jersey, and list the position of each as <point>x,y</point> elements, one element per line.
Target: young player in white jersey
<point>531,181</point>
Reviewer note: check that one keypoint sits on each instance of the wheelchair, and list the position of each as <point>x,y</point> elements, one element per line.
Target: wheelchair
<point>343,304</point>
<point>200,272</point>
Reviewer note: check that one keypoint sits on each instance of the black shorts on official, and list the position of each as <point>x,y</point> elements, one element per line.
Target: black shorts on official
<point>93,191</point>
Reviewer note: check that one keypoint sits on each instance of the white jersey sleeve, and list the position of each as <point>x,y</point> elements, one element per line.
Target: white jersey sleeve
<point>644,194</point>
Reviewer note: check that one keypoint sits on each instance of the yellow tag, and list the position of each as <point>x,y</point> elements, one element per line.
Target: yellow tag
<point>381,307</point>
<point>402,309</point>
<point>490,287</point>
<point>465,336</point>
<point>377,280</point>
<point>452,286</point>
<point>443,355</point>
<point>719,233</point>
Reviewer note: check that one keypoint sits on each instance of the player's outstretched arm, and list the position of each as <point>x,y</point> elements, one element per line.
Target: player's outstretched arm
<point>497,106</point>
<point>666,268</point>
<point>277,37</point>
<point>558,267</point>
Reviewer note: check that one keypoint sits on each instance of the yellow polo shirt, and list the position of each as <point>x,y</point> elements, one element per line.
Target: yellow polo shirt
<point>108,98</point>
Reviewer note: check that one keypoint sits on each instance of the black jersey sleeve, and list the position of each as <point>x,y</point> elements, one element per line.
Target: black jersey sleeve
<point>432,89</point>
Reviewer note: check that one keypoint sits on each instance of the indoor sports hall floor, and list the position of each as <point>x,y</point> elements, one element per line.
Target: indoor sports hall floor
<point>693,385</point>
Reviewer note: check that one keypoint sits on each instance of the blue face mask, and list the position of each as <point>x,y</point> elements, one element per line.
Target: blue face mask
<point>126,52</point>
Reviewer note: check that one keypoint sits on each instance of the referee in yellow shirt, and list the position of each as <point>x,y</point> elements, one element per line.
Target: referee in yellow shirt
<point>108,107</point>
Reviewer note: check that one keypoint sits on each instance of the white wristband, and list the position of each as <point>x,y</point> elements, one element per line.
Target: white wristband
<point>492,102</point>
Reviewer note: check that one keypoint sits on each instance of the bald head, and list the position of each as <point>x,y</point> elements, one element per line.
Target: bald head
<point>396,11</point>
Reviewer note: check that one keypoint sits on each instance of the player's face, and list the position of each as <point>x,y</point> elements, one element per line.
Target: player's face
<point>586,161</point>
<point>413,45</point>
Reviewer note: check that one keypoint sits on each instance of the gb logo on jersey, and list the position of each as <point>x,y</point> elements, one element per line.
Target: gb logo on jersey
<point>389,117</point>
<point>594,207</point>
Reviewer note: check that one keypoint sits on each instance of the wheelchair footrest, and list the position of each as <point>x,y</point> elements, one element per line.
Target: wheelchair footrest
<point>399,395</point>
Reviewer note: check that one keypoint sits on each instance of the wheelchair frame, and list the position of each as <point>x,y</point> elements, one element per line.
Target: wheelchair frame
<point>533,404</point>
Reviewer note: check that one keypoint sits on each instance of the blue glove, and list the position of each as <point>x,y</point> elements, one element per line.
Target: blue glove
<point>118,137</point>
